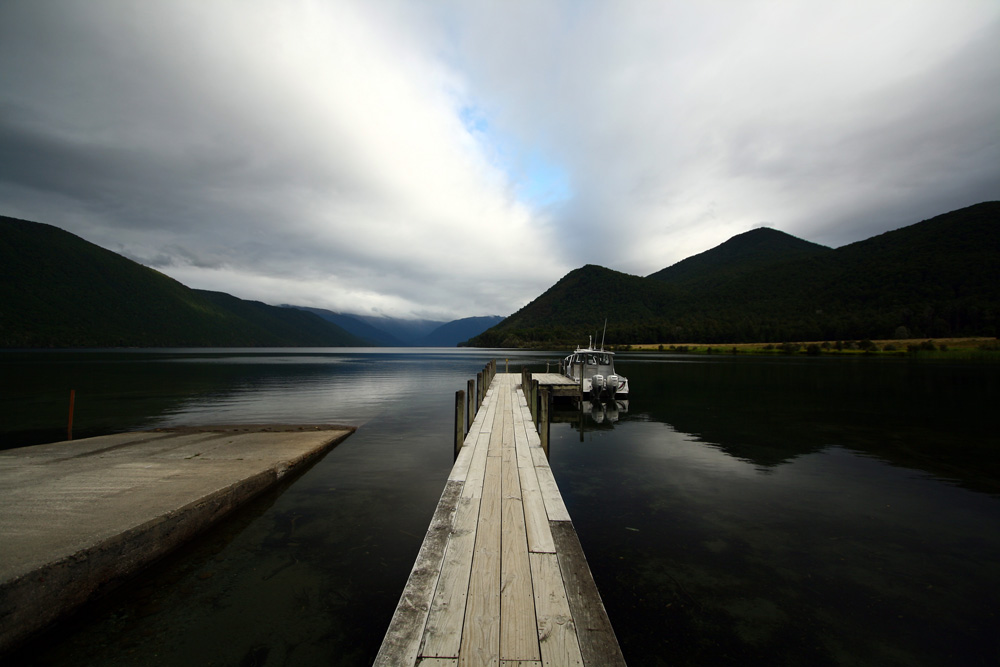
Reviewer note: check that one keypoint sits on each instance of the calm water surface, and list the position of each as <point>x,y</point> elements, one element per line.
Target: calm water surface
<point>744,510</point>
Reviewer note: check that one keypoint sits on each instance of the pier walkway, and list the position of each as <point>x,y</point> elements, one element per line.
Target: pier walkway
<point>501,578</point>
<point>558,384</point>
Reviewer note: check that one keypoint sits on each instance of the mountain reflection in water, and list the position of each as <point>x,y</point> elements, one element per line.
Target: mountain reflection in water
<point>786,511</point>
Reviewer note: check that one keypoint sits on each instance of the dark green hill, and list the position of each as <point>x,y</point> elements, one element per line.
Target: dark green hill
<point>740,255</point>
<point>940,277</point>
<point>58,290</point>
<point>579,303</point>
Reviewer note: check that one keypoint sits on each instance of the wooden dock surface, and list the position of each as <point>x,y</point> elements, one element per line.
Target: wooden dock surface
<point>558,384</point>
<point>501,578</point>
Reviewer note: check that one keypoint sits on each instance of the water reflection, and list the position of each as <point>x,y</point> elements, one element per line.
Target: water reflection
<point>933,417</point>
<point>590,415</point>
<point>143,389</point>
<point>753,511</point>
<point>744,512</point>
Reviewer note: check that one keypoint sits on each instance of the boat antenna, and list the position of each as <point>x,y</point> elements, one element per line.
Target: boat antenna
<point>605,333</point>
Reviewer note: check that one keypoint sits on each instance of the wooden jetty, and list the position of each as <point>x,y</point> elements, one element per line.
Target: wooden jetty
<point>501,578</point>
<point>558,384</point>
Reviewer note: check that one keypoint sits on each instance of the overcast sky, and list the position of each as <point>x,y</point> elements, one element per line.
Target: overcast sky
<point>450,159</point>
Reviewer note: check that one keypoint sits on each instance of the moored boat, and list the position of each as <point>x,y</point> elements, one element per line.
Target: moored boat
<point>596,368</point>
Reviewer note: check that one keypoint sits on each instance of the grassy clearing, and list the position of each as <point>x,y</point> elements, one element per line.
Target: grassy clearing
<point>985,349</point>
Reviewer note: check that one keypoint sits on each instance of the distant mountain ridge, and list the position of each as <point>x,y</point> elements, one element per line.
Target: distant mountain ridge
<point>373,336</point>
<point>939,277</point>
<point>58,290</point>
<point>393,332</point>
<point>452,333</point>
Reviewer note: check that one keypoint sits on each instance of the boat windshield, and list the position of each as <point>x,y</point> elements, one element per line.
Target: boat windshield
<point>594,358</point>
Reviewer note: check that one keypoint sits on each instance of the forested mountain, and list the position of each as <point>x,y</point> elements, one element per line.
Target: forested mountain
<point>58,290</point>
<point>458,331</point>
<point>940,277</point>
<point>743,254</point>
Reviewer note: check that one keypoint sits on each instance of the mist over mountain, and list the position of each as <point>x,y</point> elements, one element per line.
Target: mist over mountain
<point>394,332</point>
<point>451,334</point>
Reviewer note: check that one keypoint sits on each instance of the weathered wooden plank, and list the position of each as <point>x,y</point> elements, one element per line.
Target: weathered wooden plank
<point>489,406</point>
<point>402,639</point>
<point>518,628</point>
<point>555,508</point>
<point>520,663</point>
<point>598,644</point>
<point>438,662</point>
<point>521,434</point>
<point>556,630</point>
<point>533,439</point>
<point>508,420</point>
<point>474,429</point>
<point>481,627</point>
<point>535,519</point>
<point>496,433</point>
<point>477,465</point>
<point>443,632</point>
<point>483,423</point>
<point>460,471</point>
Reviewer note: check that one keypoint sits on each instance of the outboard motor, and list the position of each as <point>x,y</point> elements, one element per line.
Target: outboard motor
<point>597,386</point>
<point>613,383</point>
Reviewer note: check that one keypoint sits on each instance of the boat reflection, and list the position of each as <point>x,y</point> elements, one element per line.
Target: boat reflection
<point>590,416</point>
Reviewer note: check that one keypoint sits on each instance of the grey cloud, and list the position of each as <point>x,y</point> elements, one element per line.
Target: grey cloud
<point>258,149</point>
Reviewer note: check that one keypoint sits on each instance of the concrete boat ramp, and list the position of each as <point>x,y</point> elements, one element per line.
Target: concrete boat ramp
<point>78,517</point>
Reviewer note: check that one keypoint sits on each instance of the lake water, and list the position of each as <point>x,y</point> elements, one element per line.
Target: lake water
<point>745,510</point>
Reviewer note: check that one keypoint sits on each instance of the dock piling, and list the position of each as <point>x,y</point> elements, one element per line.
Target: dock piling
<point>534,401</point>
<point>479,390</point>
<point>72,401</point>
<point>459,421</point>
<point>470,402</point>
<point>543,421</point>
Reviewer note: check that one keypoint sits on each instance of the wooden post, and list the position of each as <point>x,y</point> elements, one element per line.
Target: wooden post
<point>471,402</point>
<point>72,401</point>
<point>543,426</point>
<point>480,390</point>
<point>534,401</point>
<point>459,421</point>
